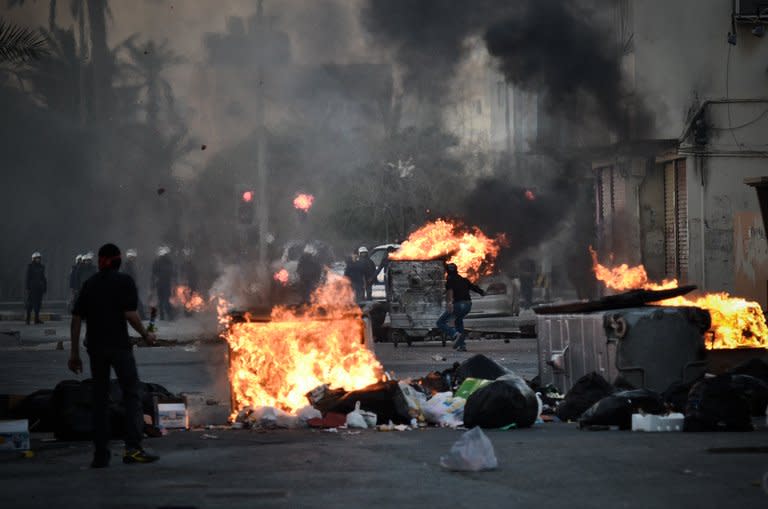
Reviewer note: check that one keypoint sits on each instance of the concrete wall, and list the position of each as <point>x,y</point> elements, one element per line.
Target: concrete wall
<point>681,60</point>
<point>681,55</point>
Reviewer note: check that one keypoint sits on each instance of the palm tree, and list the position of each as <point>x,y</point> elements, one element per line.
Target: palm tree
<point>19,44</point>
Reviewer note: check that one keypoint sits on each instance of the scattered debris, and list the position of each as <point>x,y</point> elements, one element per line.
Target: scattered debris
<point>473,452</point>
<point>207,436</point>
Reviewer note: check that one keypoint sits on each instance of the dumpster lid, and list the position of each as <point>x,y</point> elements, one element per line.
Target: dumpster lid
<point>631,299</point>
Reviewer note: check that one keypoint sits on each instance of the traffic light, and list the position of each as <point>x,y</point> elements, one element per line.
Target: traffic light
<point>245,210</point>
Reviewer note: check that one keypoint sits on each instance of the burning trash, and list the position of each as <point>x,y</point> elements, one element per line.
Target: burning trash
<point>473,252</point>
<point>736,322</point>
<point>277,363</point>
<point>303,202</point>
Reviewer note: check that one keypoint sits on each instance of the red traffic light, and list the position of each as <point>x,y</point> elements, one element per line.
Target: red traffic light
<point>248,196</point>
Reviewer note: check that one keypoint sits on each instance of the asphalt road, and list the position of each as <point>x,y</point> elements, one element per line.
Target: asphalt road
<point>548,465</point>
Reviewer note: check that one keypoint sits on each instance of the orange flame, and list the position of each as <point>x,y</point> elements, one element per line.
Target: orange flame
<point>470,249</point>
<point>623,277</point>
<point>303,202</point>
<point>183,296</point>
<point>736,322</point>
<point>281,276</point>
<point>278,362</point>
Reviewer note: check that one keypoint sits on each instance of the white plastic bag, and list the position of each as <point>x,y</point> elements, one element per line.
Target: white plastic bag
<point>444,410</point>
<point>414,399</point>
<point>472,452</point>
<point>309,412</point>
<point>355,419</point>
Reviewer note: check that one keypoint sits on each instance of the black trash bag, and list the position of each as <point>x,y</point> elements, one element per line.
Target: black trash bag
<point>149,394</point>
<point>617,409</point>
<point>756,392</point>
<point>676,395</point>
<point>503,402</point>
<point>587,391</point>
<point>38,409</point>
<point>757,368</point>
<point>385,399</point>
<point>72,403</point>
<point>717,404</point>
<point>479,366</point>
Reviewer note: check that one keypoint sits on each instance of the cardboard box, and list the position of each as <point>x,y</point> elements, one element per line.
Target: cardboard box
<point>172,416</point>
<point>14,435</point>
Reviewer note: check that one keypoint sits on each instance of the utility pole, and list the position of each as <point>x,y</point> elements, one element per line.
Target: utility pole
<point>261,145</point>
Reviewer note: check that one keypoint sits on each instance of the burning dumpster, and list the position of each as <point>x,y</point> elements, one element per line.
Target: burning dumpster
<point>646,346</point>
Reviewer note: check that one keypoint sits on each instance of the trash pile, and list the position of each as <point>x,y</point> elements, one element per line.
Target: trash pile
<point>476,393</point>
<point>725,402</point>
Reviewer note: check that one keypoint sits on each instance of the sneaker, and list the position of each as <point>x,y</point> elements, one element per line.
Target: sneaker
<point>100,460</point>
<point>456,340</point>
<point>139,456</point>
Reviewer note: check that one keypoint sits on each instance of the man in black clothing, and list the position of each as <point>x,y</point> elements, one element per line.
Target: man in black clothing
<point>162,282</point>
<point>107,302</point>
<point>368,271</point>
<point>458,304</point>
<point>310,272</point>
<point>36,286</point>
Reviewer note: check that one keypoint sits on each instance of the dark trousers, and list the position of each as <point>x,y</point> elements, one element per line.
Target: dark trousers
<point>125,368</point>
<point>34,303</point>
<point>164,307</point>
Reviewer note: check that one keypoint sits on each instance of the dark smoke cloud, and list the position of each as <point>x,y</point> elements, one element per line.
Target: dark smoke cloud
<point>554,47</point>
<point>558,48</point>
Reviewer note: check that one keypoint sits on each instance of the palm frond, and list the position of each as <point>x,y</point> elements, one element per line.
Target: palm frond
<point>19,44</point>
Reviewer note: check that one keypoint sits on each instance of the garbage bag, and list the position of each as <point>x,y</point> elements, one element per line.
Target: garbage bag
<point>506,401</point>
<point>470,385</point>
<point>717,404</point>
<point>587,391</point>
<point>306,413</point>
<point>617,409</point>
<point>436,382</point>
<point>355,419</point>
<point>414,399</point>
<point>444,410</point>
<point>385,399</point>
<point>38,409</point>
<point>676,395</point>
<point>757,368</point>
<point>472,452</point>
<point>479,366</point>
<point>755,390</point>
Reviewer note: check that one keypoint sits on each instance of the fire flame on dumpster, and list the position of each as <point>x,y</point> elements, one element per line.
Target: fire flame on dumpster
<point>277,363</point>
<point>469,248</point>
<point>183,296</point>
<point>736,322</point>
<point>303,202</point>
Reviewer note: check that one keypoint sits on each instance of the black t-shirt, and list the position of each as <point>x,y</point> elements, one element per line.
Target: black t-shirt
<point>461,287</point>
<point>102,303</point>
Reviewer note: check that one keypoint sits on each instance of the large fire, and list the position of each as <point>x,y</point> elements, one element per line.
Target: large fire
<point>303,202</point>
<point>185,297</point>
<point>277,363</point>
<point>473,252</point>
<point>736,322</point>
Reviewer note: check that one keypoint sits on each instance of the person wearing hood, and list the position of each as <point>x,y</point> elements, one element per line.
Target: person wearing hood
<point>36,286</point>
<point>107,303</point>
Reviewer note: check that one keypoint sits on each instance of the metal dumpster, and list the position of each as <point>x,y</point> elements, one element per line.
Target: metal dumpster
<point>647,346</point>
<point>416,295</point>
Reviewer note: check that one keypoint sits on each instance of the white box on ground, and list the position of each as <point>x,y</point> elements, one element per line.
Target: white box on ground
<point>657,423</point>
<point>172,416</point>
<point>14,435</point>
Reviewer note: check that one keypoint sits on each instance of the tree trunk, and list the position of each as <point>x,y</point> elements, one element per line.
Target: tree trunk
<point>52,16</point>
<point>100,60</point>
